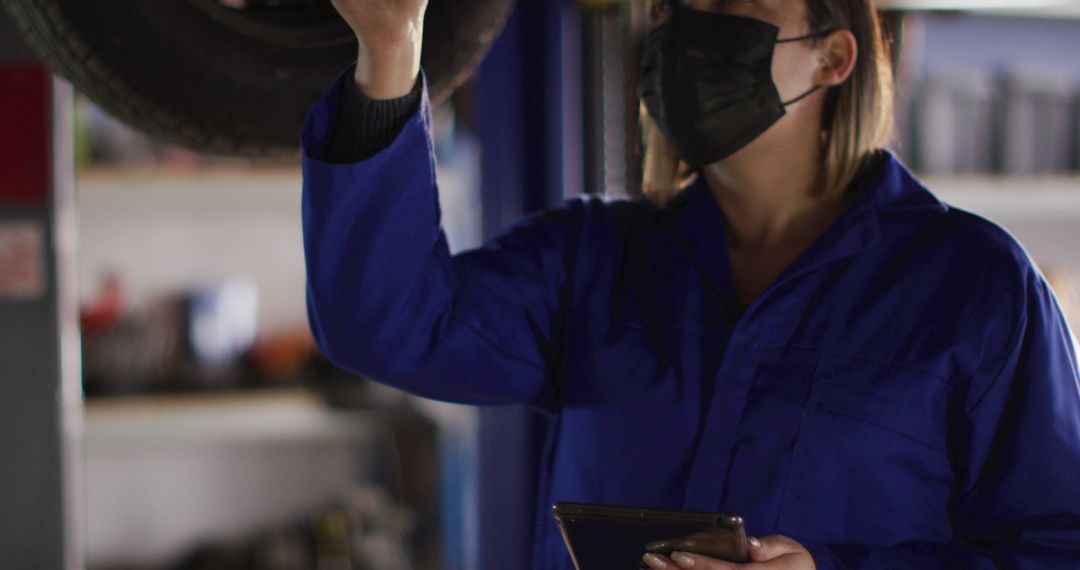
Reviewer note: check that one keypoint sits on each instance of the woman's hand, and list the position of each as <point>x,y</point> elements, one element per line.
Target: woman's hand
<point>774,552</point>
<point>390,35</point>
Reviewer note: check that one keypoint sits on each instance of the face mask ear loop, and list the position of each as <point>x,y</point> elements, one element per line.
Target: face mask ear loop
<point>816,34</point>
<point>803,96</point>
<point>812,36</point>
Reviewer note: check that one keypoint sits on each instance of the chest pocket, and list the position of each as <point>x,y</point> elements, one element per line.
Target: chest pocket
<point>869,463</point>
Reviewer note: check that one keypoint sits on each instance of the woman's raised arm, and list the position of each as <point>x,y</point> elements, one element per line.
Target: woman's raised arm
<point>388,301</point>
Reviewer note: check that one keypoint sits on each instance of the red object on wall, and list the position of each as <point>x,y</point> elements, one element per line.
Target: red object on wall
<point>25,126</point>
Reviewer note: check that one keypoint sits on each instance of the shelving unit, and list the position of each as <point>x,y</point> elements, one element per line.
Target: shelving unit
<point>272,415</point>
<point>165,472</point>
<point>1043,210</point>
<point>1026,8</point>
<point>1053,199</point>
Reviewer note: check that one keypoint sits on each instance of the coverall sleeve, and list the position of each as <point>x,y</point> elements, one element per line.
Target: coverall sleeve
<point>386,299</point>
<point>1017,446</point>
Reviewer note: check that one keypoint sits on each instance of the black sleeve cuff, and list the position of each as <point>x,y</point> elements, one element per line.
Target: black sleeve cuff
<point>366,126</point>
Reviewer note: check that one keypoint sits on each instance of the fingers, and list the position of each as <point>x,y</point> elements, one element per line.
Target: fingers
<point>776,551</point>
<point>658,562</point>
<point>773,546</point>
<point>685,560</point>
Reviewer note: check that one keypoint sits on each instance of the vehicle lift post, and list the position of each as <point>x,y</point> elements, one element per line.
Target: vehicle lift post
<point>42,522</point>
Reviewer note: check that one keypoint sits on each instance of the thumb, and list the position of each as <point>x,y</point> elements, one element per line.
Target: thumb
<point>768,547</point>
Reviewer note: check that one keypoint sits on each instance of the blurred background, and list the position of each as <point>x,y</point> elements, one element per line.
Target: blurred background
<point>215,435</point>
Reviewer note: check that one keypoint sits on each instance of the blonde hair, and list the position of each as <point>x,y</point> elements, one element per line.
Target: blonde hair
<point>857,119</point>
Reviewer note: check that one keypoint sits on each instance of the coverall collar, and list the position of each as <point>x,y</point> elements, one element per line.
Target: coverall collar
<point>886,185</point>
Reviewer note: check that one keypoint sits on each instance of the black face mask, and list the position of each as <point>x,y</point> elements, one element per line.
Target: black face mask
<point>706,79</point>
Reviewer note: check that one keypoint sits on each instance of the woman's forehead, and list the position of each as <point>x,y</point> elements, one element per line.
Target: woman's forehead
<point>788,15</point>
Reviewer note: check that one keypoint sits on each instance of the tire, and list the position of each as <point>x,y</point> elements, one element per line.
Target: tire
<point>230,81</point>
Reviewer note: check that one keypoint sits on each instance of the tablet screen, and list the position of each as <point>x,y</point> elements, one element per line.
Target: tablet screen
<point>603,537</point>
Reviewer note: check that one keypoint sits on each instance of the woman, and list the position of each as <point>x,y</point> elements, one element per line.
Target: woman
<point>799,333</point>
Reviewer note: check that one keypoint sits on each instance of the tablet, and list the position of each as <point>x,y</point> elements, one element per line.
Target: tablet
<point>603,537</point>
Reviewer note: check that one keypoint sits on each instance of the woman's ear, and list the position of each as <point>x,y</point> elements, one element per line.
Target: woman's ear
<point>839,52</point>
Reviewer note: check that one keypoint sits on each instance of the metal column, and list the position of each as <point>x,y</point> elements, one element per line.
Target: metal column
<point>527,95</point>
<point>41,522</point>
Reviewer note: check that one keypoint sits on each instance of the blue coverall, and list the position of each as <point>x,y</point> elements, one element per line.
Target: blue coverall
<point>904,395</point>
